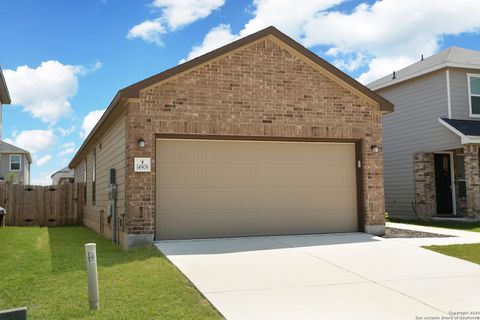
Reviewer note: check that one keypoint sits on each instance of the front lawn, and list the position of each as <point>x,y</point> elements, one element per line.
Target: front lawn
<point>469,252</point>
<point>44,270</point>
<point>462,225</point>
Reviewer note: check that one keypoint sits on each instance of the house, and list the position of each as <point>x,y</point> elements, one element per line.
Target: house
<point>259,137</point>
<point>64,175</point>
<point>14,162</point>
<point>431,141</point>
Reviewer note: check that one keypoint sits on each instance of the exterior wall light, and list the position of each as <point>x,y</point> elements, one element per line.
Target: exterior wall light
<point>141,143</point>
<point>374,148</point>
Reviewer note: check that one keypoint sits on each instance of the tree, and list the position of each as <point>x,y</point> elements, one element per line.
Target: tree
<point>12,178</point>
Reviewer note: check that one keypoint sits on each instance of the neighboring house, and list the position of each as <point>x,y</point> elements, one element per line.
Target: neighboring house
<point>16,161</point>
<point>13,160</point>
<point>431,142</point>
<point>62,176</point>
<point>259,137</point>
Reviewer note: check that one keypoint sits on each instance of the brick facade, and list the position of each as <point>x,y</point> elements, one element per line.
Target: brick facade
<point>424,180</point>
<point>261,90</point>
<point>472,177</point>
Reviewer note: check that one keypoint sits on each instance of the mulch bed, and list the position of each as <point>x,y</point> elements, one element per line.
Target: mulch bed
<point>402,233</point>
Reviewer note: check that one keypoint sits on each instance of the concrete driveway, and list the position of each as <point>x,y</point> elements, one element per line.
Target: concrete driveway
<point>341,276</point>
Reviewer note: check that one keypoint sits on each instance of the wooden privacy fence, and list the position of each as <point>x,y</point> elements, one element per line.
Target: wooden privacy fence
<point>42,205</point>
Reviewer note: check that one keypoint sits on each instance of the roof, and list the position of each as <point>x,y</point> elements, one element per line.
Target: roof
<point>10,148</point>
<point>453,57</point>
<point>4,95</point>
<point>467,130</point>
<point>467,127</point>
<point>133,91</point>
<point>66,171</point>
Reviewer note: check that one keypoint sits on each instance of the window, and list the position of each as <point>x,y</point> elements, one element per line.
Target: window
<point>15,162</point>
<point>474,94</point>
<point>94,175</point>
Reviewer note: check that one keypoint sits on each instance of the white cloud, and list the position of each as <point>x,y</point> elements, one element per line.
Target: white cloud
<point>149,31</point>
<point>34,140</point>
<point>178,13</point>
<point>279,13</point>
<point>174,15</point>
<point>216,38</point>
<point>382,37</point>
<point>379,67</point>
<point>45,91</point>
<point>285,15</point>
<point>43,160</point>
<point>393,33</point>
<point>67,148</point>
<point>66,131</point>
<point>90,121</point>
<point>42,179</point>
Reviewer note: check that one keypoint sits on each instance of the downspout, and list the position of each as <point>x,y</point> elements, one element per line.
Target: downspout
<point>449,100</point>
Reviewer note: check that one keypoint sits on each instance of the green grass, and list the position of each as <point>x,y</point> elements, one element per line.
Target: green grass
<point>462,225</point>
<point>44,270</point>
<point>469,252</point>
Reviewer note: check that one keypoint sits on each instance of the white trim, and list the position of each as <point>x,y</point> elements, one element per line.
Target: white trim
<point>425,71</point>
<point>449,100</point>
<point>464,138</point>
<point>470,95</point>
<point>452,181</point>
<point>10,163</point>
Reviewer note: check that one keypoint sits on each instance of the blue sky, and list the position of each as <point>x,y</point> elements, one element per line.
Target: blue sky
<point>65,60</point>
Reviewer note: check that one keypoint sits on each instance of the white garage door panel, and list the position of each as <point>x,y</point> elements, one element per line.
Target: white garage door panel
<point>209,188</point>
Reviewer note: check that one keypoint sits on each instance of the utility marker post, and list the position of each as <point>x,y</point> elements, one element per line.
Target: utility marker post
<point>92,275</point>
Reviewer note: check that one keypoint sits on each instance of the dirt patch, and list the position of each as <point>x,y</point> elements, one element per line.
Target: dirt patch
<point>402,233</point>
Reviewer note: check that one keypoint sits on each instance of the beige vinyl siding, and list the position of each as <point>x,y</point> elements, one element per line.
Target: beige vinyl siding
<point>211,188</point>
<point>459,93</point>
<point>413,127</point>
<point>111,154</point>
<point>78,172</point>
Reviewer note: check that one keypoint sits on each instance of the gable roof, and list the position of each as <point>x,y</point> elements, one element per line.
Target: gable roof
<point>10,148</point>
<point>67,172</point>
<point>4,95</point>
<point>133,91</point>
<point>453,57</point>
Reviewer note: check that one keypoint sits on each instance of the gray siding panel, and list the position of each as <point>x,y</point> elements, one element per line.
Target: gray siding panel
<point>413,127</point>
<point>459,93</point>
<point>24,172</point>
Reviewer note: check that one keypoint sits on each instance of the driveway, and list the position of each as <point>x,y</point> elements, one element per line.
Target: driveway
<point>340,276</point>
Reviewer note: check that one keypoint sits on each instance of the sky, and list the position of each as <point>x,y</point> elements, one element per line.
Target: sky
<point>64,61</point>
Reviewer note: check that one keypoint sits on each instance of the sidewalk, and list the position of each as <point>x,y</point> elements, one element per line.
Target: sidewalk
<point>458,236</point>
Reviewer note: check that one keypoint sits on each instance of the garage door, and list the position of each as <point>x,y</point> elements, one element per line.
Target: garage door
<point>220,188</point>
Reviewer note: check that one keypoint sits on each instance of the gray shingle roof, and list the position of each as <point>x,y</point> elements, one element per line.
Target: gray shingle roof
<point>452,57</point>
<point>467,127</point>
<point>67,172</point>
<point>10,148</point>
